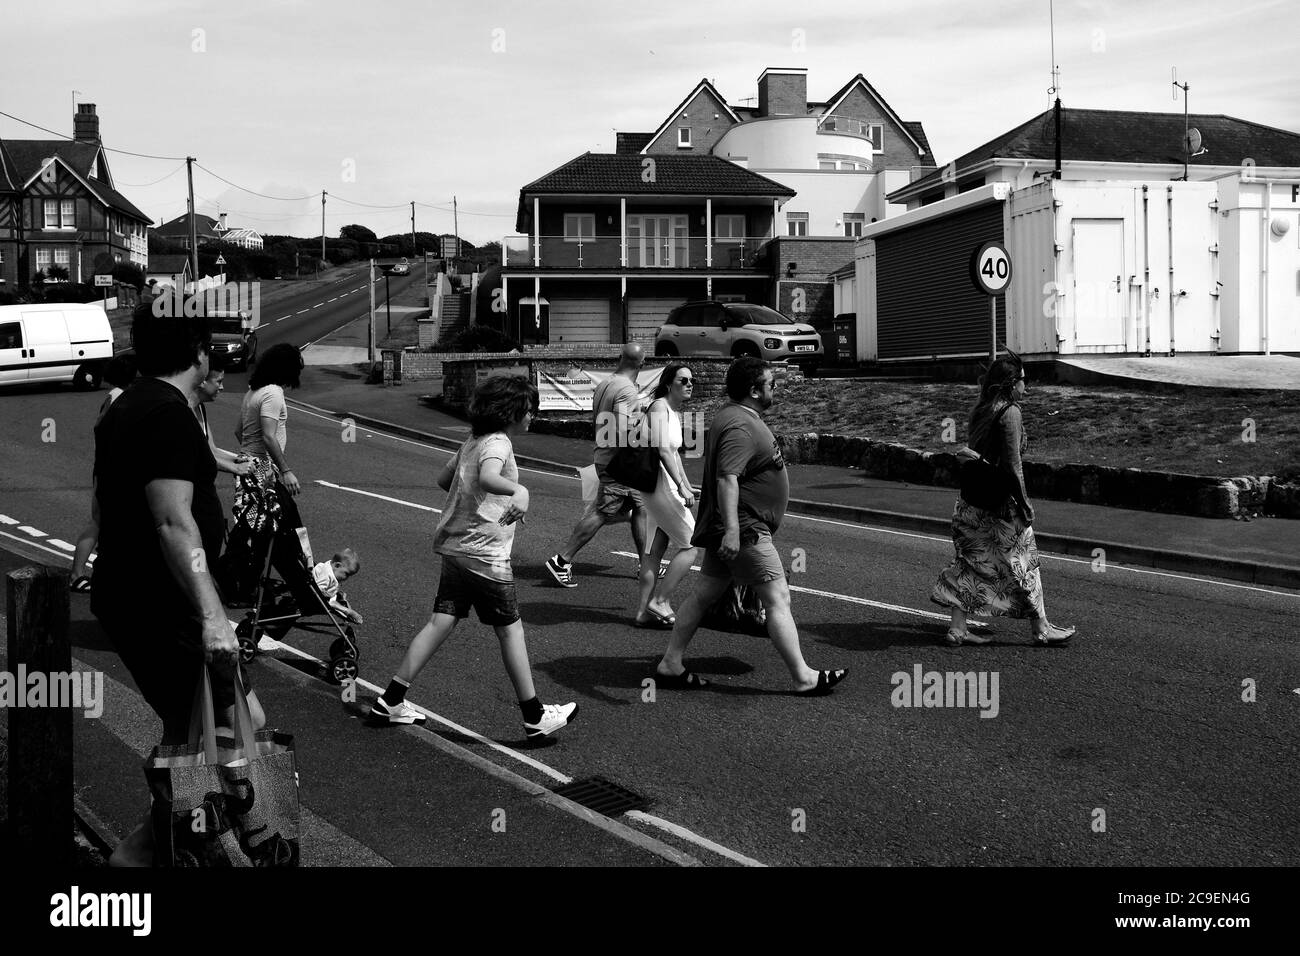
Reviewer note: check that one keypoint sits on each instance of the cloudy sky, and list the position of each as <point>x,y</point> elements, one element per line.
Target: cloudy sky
<point>384,103</point>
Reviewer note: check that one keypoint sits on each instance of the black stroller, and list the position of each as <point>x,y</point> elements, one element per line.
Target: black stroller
<point>284,602</point>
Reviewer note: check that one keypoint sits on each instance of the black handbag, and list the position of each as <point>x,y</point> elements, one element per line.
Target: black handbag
<point>985,484</point>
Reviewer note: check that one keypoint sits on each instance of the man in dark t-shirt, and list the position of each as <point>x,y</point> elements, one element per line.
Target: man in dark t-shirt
<point>744,495</point>
<point>160,529</point>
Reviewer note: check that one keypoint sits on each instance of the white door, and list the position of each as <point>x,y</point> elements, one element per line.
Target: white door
<point>580,320</point>
<point>644,316</point>
<point>658,242</point>
<point>13,353</point>
<point>1098,287</point>
<point>49,351</point>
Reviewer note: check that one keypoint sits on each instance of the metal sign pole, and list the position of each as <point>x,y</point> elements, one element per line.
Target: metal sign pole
<point>372,311</point>
<point>993,329</point>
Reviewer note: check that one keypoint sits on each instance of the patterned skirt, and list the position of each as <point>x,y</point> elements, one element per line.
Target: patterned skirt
<point>257,505</point>
<point>995,571</point>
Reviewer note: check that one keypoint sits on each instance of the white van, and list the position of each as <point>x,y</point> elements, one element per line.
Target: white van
<point>54,342</point>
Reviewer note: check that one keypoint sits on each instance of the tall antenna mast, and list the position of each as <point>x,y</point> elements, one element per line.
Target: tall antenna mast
<point>1186,140</point>
<point>1055,89</point>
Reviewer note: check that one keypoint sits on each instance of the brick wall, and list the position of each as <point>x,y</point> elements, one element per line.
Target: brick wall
<point>699,117</point>
<point>783,94</point>
<point>816,259</point>
<point>899,153</point>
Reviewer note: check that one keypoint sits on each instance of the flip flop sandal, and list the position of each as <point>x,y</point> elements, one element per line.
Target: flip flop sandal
<point>825,681</point>
<point>654,624</point>
<point>686,680</point>
<point>80,584</point>
<point>668,619</point>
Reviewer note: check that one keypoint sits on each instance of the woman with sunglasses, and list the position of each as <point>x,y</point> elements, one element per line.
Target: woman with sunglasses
<point>669,521</point>
<point>995,570</point>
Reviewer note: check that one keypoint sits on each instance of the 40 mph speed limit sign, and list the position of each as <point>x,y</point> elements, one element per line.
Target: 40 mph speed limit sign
<point>990,268</point>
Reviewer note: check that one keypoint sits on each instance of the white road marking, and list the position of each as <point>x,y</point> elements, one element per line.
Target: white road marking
<point>300,312</point>
<point>28,529</point>
<point>5,519</point>
<point>335,299</point>
<point>318,305</point>
<point>894,531</point>
<point>371,494</point>
<point>63,544</point>
<point>685,834</point>
<point>537,765</point>
<point>850,598</point>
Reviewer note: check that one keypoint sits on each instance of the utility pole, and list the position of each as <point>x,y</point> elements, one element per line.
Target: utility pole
<point>322,235</point>
<point>455,224</point>
<point>372,312</point>
<point>1186,88</point>
<point>413,230</point>
<point>194,237</point>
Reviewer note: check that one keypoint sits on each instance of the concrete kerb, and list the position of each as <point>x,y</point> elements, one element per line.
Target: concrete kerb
<point>1250,572</point>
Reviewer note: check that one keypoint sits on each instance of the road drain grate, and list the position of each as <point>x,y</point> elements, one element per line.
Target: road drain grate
<point>597,793</point>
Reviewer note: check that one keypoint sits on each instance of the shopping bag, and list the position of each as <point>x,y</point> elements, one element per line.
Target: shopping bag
<point>219,802</point>
<point>738,609</point>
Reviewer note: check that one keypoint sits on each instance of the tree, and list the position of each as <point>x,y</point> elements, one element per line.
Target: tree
<point>128,273</point>
<point>357,234</point>
<point>57,273</point>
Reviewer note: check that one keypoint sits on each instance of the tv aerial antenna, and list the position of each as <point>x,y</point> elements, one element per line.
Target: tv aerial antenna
<point>1055,90</point>
<point>1191,136</point>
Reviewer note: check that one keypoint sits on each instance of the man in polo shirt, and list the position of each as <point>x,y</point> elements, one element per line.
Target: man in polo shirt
<point>160,530</point>
<point>744,496</point>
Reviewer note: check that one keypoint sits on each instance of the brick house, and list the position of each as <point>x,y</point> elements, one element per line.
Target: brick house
<point>58,206</point>
<point>206,229</point>
<point>613,242</point>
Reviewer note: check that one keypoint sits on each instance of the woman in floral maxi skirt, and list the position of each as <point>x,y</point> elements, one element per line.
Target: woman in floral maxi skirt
<point>995,570</point>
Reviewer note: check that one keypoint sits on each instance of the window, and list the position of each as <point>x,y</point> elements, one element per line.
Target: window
<point>825,164</point>
<point>11,335</point>
<point>876,133</point>
<point>684,137</point>
<point>853,223</point>
<point>51,214</point>
<point>42,259</point>
<point>61,257</point>
<point>68,211</point>
<point>117,225</point>
<point>579,227</point>
<point>729,227</point>
<point>796,224</point>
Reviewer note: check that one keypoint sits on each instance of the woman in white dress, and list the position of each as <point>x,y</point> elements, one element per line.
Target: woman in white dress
<point>669,522</point>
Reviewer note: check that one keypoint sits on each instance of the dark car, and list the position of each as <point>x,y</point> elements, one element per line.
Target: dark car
<point>234,338</point>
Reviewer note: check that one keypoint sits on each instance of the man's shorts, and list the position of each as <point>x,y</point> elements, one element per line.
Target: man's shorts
<point>757,563</point>
<point>164,654</point>
<point>459,589</point>
<point>615,502</point>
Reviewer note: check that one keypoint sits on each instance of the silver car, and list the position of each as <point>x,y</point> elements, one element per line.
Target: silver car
<point>733,329</point>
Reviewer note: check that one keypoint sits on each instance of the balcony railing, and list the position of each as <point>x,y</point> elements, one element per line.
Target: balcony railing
<point>643,252</point>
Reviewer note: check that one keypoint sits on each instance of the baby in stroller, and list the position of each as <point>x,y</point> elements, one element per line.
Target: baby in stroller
<point>330,575</point>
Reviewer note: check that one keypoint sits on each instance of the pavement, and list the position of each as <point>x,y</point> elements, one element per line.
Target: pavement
<point>1205,371</point>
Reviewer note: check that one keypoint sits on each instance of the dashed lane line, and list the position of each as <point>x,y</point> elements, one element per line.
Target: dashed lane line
<point>28,529</point>
<point>371,494</point>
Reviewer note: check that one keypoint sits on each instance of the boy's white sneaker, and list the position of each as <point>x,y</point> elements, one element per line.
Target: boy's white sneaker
<point>402,713</point>
<point>554,717</point>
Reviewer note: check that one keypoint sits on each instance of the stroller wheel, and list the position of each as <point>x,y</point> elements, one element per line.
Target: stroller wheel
<point>345,648</point>
<point>343,669</point>
<point>247,648</point>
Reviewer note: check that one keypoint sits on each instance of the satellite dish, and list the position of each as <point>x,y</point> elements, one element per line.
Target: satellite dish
<point>1192,141</point>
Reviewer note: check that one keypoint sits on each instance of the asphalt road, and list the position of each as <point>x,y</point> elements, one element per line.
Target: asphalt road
<point>1142,717</point>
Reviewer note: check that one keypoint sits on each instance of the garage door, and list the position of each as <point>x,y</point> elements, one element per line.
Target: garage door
<point>644,316</point>
<point>580,320</point>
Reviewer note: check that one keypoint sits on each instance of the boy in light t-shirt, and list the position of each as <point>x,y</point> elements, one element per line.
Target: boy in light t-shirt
<point>475,537</point>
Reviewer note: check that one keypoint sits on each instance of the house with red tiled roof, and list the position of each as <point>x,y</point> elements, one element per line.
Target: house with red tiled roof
<point>59,207</point>
<point>757,202</point>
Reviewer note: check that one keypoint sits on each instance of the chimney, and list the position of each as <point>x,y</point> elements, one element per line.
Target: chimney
<point>85,125</point>
<point>783,91</point>
<point>221,227</point>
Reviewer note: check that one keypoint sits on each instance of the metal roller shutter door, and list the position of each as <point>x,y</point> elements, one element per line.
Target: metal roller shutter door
<point>925,302</point>
<point>644,316</point>
<point>580,320</point>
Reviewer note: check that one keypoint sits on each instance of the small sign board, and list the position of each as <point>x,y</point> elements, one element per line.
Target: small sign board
<point>990,268</point>
<point>103,281</point>
<point>449,244</point>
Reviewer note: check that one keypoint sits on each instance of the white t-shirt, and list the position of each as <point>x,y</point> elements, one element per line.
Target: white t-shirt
<point>267,401</point>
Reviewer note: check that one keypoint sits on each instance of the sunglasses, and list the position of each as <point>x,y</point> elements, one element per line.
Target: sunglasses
<point>685,381</point>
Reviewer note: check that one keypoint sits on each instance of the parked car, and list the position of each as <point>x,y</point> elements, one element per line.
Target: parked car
<point>234,337</point>
<point>402,268</point>
<point>54,342</point>
<point>733,329</point>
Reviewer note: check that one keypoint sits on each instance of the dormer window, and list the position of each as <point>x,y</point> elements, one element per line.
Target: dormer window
<point>683,137</point>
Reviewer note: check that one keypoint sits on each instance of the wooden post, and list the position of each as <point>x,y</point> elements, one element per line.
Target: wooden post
<point>40,738</point>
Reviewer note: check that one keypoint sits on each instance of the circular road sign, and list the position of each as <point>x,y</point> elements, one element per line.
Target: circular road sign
<point>990,268</point>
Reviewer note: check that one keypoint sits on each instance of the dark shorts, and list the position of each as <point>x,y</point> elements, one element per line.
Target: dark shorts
<point>757,563</point>
<point>459,589</point>
<point>165,657</point>
<point>616,502</point>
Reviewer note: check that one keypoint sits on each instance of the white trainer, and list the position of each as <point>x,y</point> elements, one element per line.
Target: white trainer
<point>554,717</point>
<point>402,713</point>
